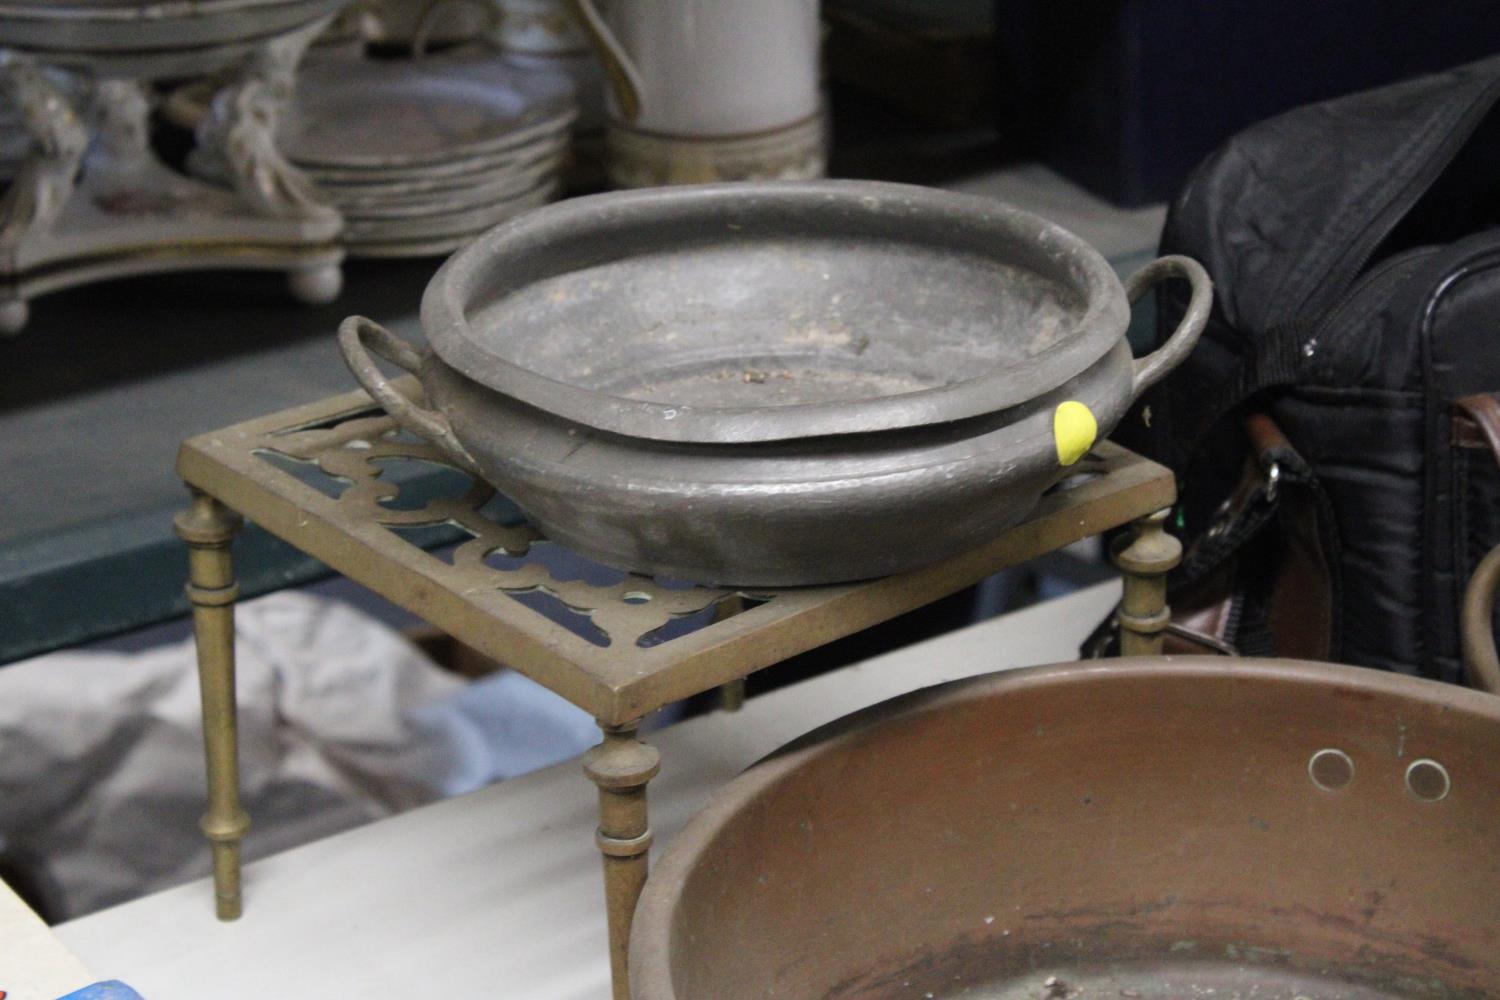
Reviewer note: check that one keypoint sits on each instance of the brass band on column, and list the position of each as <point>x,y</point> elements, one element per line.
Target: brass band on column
<point>1145,557</point>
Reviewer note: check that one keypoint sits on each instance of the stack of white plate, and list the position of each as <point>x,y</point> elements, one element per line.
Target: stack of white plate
<point>423,155</point>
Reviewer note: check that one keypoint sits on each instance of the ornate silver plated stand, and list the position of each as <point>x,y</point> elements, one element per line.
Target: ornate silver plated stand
<point>92,201</point>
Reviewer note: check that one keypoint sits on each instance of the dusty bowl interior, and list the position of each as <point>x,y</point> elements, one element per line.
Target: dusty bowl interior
<point>755,297</point>
<point>1152,829</point>
<point>781,320</point>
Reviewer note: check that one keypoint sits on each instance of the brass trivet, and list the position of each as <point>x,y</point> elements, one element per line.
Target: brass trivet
<point>617,645</point>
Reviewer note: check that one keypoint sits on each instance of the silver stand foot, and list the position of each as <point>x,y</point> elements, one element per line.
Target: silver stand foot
<point>13,316</point>
<point>316,286</point>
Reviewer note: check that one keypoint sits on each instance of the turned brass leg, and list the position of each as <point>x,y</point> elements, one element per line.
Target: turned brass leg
<point>208,528</point>
<point>732,695</point>
<point>1145,556</point>
<point>621,766</point>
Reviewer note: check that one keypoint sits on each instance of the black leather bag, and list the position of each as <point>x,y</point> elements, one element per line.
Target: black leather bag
<point>1355,252</point>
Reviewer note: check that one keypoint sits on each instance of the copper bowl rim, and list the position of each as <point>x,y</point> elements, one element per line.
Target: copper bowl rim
<point>650,960</point>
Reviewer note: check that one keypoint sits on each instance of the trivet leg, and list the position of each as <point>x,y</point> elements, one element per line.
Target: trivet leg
<point>1144,557</point>
<point>621,766</point>
<point>731,693</point>
<point>209,527</point>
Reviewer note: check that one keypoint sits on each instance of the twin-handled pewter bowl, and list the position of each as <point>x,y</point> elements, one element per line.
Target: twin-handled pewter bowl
<point>774,384</point>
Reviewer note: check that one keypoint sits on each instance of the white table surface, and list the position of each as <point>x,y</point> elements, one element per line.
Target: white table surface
<point>498,893</point>
<point>34,964</point>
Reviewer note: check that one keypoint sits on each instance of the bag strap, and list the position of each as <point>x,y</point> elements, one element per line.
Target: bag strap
<point>1476,424</point>
<point>1227,564</point>
<point>1275,362</point>
<point>1250,508</point>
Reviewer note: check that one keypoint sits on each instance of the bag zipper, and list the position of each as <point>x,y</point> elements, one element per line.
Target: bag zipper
<point>1361,284</point>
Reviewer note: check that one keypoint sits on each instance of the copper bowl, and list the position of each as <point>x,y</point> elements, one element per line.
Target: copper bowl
<point>1151,828</point>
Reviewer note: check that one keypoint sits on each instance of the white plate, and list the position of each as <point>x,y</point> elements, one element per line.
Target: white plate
<point>446,224</point>
<point>404,113</point>
<point>426,203</point>
<point>430,180</point>
<point>527,146</point>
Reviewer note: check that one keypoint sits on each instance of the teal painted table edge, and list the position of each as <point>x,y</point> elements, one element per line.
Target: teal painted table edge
<point>102,579</point>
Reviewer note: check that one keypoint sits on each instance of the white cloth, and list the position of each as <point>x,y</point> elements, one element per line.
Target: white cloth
<point>341,721</point>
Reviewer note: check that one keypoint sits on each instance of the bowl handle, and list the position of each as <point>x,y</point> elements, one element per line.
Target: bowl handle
<point>357,337</point>
<point>1154,366</point>
<point>1481,664</point>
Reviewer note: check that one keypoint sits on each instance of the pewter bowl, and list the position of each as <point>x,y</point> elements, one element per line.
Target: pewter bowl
<point>773,384</point>
<point>756,312</point>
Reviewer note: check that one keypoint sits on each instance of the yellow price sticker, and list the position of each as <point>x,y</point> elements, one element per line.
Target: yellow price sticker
<point>1074,429</point>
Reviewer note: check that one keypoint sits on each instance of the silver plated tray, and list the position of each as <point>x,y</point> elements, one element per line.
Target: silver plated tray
<point>77,32</point>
